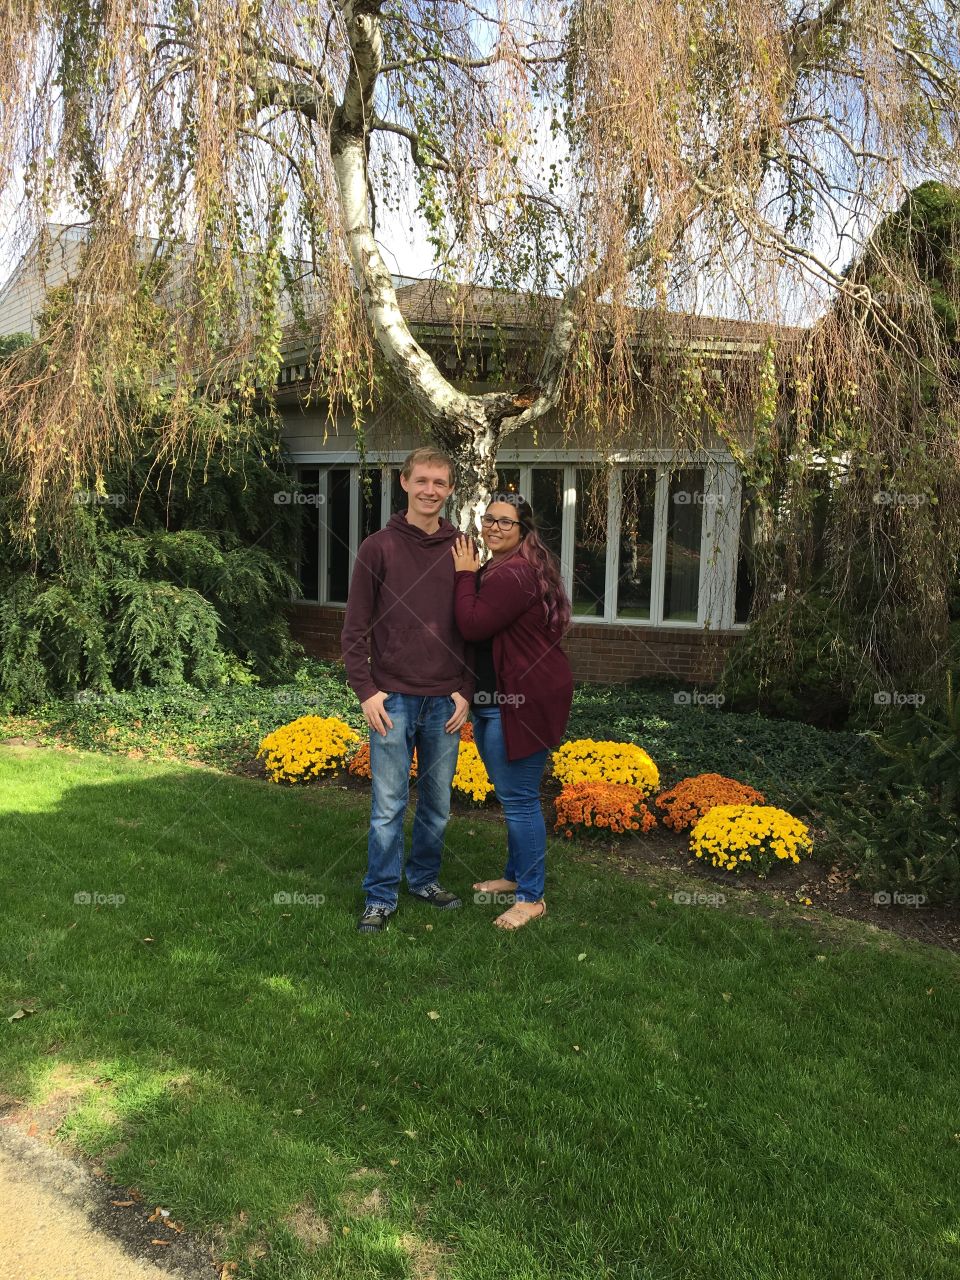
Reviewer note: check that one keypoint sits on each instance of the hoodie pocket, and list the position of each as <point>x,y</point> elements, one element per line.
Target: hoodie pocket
<point>418,652</point>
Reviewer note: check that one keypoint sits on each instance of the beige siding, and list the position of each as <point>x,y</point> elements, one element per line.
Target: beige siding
<point>22,298</point>
<point>387,431</point>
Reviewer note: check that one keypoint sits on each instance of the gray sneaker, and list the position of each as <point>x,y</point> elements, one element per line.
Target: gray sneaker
<point>374,919</point>
<point>437,897</point>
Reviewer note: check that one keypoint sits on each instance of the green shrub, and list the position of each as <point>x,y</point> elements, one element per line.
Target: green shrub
<point>158,577</point>
<point>903,829</point>
<point>799,660</point>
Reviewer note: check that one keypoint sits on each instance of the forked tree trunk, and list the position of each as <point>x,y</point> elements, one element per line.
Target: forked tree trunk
<point>469,427</point>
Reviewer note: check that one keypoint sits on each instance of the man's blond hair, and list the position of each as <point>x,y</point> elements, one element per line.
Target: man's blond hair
<point>427,456</point>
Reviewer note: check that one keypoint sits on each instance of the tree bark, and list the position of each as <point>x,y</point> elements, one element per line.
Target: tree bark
<point>468,426</point>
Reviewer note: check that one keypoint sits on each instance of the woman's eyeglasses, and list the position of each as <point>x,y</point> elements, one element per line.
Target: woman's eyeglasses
<point>502,522</point>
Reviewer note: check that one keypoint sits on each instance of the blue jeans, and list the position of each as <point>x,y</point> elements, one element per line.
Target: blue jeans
<point>417,722</point>
<point>517,786</point>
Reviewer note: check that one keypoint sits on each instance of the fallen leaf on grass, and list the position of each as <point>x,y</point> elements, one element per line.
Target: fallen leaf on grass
<point>433,1015</point>
<point>20,1013</point>
<point>582,955</point>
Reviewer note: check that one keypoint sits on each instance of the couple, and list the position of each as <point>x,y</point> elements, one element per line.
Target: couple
<point>430,635</point>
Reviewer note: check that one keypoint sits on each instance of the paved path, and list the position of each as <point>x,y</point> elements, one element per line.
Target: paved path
<point>46,1232</point>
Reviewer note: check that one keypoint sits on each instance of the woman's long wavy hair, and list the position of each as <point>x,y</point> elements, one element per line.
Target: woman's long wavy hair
<point>556,602</point>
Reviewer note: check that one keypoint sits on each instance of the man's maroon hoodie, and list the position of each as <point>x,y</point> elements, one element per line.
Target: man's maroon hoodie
<point>399,634</point>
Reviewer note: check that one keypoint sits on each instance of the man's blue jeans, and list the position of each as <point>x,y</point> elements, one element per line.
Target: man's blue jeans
<point>517,786</point>
<point>417,722</point>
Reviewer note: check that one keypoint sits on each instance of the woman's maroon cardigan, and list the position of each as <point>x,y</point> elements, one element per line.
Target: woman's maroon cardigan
<point>533,675</point>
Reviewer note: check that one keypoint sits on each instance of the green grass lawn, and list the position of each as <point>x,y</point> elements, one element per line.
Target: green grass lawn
<point>631,1088</point>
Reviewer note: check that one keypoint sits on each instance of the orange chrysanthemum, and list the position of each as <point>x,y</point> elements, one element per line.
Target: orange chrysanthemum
<point>685,804</point>
<point>610,806</point>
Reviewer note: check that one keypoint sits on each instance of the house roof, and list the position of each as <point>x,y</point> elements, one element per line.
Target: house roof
<point>440,309</point>
<point>431,302</point>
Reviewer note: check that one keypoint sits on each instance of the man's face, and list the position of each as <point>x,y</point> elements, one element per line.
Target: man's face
<point>427,488</point>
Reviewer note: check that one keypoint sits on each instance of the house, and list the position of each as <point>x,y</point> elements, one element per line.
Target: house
<point>654,546</point>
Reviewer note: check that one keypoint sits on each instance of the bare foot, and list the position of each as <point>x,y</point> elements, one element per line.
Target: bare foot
<point>521,913</point>
<point>496,886</point>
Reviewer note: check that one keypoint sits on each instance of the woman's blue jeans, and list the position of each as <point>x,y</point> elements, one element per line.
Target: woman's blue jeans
<point>417,722</point>
<point>517,786</point>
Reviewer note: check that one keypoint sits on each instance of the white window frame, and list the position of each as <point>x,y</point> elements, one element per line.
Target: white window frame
<point>719,538</point>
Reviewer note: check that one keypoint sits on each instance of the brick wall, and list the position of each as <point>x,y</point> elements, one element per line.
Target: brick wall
<point>612,655</point>
<point>601,654</point>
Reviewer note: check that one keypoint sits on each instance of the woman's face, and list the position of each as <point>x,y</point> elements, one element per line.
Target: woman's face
<point>501,538</point>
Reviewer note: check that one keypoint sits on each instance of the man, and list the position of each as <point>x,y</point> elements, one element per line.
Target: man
<point>406,662</point>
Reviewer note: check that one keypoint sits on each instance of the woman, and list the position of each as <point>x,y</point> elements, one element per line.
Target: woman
<point>514,611</point>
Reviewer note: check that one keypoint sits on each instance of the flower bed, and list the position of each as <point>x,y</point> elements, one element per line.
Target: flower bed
<point>609,806</point>
<point>307,747</point>
<point>586,760</point>
<point>685,804</point>
<point>733,834</point>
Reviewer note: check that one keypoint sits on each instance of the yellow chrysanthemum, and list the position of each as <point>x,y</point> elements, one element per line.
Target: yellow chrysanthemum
<point>623,763</point>
<point>307,747</point>
<point>760,834</point>
<point>471,776</point>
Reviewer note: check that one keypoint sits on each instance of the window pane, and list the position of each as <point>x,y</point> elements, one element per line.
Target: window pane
<point>398,499</point>
<point>590,548</point>
<point>337,520</point>
<point>546,498</point>
<point>746,561</point>
<point>636,542</point>
<point>508,480</point>
<point>681,588</point>
<point>308,569</point>
<point>370,502</point>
